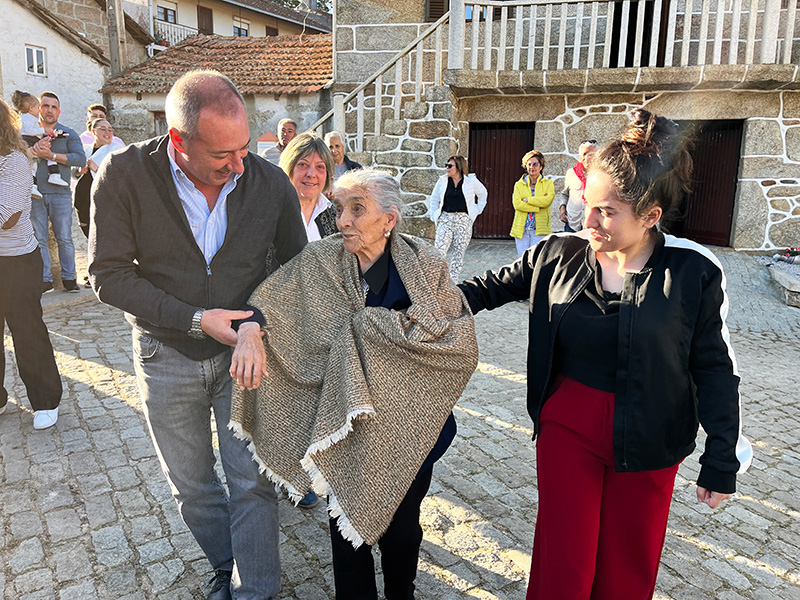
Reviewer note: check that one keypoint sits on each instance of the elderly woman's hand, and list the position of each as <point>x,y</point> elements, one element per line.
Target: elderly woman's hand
<point>249,360</point>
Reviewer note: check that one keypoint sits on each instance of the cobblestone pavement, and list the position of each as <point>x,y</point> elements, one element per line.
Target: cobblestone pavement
<point>85,513</point>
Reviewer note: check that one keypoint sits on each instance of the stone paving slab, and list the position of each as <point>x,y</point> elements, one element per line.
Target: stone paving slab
<point>85,512</point>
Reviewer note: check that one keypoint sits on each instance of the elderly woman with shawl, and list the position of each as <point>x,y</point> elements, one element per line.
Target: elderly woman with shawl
<point>366,347</point>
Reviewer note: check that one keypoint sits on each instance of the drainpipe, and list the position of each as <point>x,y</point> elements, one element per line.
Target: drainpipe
<point>116,37</point>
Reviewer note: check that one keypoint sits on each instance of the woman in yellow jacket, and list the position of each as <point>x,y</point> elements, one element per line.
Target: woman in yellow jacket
<point>533,195</point>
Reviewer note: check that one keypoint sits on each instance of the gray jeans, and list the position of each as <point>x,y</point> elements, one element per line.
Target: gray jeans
<point>237,529</point>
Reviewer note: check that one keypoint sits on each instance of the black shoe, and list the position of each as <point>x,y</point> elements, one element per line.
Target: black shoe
<point>47,286</point>
<point>71,286</point>
<point>220,586</point>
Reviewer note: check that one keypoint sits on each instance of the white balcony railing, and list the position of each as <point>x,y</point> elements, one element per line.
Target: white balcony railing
<point>169,34</point>
<point>575,34</point>
<point>541,35</point>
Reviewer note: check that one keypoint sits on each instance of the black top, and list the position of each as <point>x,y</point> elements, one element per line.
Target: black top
<point>377,278</point>
<point>386,289</point>
<point>83,188</point>
<point>586,340</point>
<point>454,197</point>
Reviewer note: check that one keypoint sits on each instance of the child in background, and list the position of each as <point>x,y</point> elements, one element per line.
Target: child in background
<point>28,107</point>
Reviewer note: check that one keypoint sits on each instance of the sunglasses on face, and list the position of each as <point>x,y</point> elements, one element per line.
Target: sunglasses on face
<point>593,142</point>
<point>449,166</point>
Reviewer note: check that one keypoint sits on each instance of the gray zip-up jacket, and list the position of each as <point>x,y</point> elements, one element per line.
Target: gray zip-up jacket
<point>144,259</point>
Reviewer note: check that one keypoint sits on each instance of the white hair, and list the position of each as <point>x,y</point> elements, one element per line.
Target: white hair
<point>378,186</point>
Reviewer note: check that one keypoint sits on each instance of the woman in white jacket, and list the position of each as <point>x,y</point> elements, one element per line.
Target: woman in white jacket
<point>457,200</point>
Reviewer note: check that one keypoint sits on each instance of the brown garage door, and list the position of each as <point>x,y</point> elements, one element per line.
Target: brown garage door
<point>496,151</point>
<point>708,212</point>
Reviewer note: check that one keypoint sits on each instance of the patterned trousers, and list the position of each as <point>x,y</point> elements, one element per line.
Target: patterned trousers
<point>454,231</point>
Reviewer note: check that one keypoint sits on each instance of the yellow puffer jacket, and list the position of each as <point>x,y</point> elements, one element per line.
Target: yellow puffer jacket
<point>525,203</point>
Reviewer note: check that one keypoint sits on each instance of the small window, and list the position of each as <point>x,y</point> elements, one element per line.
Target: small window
<point>168,14</point>
<point>241,28</point>
<point>436,8</point>
<point>34,59</point>
<point>160,123</point>
<point>272,30</point>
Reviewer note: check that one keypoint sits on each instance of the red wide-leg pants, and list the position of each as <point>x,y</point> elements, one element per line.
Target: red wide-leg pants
<point>599,533</point>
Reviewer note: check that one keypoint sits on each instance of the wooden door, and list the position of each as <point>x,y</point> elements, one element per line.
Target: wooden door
<point>707,215</point>
<point>205,20</point>
<point>496,151</point>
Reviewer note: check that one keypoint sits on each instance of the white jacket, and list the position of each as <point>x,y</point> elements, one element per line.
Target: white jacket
<point>475,195</point>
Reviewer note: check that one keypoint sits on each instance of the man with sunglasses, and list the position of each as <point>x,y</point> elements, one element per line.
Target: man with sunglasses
<point>570,199</point>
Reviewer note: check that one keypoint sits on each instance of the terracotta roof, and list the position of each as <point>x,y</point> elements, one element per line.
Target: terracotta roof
<point>286,64</point>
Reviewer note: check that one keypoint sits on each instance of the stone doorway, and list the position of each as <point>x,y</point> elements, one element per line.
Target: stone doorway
<point>495,156</point>
<point>707,215</point>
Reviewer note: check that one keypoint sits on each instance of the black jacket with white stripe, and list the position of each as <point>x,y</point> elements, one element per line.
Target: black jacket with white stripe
<point>675,366</point>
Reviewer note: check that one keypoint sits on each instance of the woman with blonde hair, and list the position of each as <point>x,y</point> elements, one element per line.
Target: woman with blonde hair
<point>309,165</point>
<point>533,194</point>
<point>20,280</point>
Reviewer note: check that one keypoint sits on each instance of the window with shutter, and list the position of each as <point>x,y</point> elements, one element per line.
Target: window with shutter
<point>436,8</point>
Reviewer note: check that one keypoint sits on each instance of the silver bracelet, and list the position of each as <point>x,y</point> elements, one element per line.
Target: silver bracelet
<point>196,330</point>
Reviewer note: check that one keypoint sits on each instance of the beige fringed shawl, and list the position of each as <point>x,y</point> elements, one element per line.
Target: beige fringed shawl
<point>356,396</point>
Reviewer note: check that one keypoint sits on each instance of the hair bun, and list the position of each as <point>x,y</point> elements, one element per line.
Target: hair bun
<point>646,133</point>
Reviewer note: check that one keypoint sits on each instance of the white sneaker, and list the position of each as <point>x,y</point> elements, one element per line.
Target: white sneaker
<point>35,193</point>
<point>55,179</point>
<point>42,419</point>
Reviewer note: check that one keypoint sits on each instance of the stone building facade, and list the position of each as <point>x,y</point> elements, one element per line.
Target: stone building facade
<point>567,106</point>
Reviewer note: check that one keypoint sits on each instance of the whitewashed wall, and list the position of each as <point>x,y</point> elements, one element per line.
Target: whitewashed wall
<point>72,75</point>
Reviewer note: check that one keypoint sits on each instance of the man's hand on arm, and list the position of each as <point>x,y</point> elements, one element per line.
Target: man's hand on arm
<point>216,323</point>
<point>249,360</point>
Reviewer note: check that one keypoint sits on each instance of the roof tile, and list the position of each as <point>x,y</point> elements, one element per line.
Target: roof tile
<point>286,64</point>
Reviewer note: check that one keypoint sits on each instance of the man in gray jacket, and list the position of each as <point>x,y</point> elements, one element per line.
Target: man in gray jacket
<point>182,227</point>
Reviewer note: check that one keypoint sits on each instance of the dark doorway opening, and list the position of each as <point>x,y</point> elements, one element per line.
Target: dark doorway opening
<point>495,156</point>
<point>707,213</point>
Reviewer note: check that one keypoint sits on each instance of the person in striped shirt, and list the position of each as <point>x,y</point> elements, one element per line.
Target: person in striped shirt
<point>20,280</point>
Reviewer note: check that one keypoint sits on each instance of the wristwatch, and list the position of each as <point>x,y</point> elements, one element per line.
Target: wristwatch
<point>196,331</point>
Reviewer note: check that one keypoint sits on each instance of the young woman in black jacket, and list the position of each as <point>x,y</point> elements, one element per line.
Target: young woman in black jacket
<point>628,354</point>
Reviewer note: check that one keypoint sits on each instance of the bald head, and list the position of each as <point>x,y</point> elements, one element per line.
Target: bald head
<point>197,91</point>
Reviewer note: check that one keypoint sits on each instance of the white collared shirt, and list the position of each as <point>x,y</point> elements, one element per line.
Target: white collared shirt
<point>312,231</point>
<point>208,226</point>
